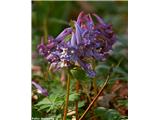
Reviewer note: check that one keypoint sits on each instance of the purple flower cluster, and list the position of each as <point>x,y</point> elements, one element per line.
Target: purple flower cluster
<point>79,44</point>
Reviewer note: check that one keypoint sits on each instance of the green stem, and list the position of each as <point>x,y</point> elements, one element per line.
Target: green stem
<point>67,98</point>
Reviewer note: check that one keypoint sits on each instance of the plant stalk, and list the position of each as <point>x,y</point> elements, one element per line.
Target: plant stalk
<point>67,98</point>
<point>95,89</point>
<point>94,83</point>
<point>77,91</point>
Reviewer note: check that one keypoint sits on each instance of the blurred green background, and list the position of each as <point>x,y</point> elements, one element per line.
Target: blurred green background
<point>50,18</point>
<point>55,16</point>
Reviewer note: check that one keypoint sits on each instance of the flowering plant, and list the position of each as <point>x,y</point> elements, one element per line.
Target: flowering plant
<point>79,44</point>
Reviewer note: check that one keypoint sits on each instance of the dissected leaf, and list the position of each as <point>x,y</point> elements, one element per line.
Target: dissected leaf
<point>43,107</point>
<point>43,102</point>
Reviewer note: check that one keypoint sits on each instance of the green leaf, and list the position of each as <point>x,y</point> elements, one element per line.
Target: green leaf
<point>49,109</point>
<point>43,102</point>
<point>107,114</point>
<point>43,107</point>
<point>73,97</point>
<point>79,74</point>
<point>113,114</point>
<point>81,104</point>
<point>123,102</point>
<point>119,70</point>
<point>35,113</point>
<point>101,70</point>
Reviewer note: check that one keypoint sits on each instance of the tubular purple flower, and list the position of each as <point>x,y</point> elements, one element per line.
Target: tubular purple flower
<point>89,22</point>
<point>79,19</point>
<point>100,20</point>
<point>64,33</point>
<point>78,33</point>
<point>87,68</point>
<point>73,40</point>
<point>86,22</point>
<point>40,89</point>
